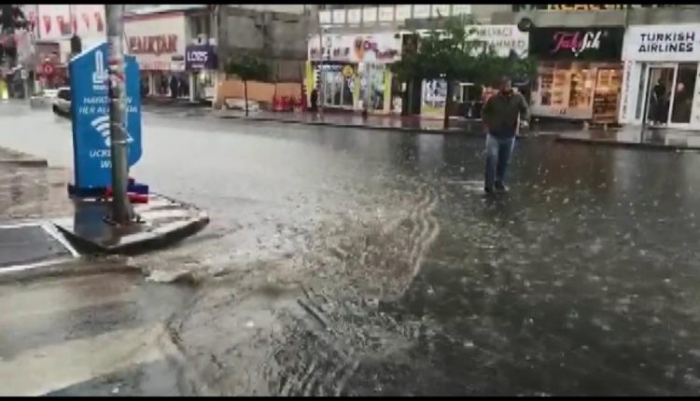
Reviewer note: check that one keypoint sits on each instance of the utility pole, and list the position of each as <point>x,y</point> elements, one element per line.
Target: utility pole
<point>122,213</point>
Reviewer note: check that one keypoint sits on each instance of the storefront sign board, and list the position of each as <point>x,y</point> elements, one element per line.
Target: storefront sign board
<point>585,44</point>
<point>155,40</point>
<point>200,57</point>
<point>382,48</point>
<point>671,43</point>
<point>503,38</point>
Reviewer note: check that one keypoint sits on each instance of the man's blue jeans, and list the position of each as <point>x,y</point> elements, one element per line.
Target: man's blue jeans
<point>498,151</point>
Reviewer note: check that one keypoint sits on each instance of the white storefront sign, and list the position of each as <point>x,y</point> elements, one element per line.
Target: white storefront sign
<point>662,43</point>
<point>157,41</point>
<point>503,38</point>
<point>383,48</point>
<point>661,47</point>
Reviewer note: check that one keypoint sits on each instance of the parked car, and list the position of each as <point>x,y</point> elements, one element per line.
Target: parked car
<point>61,104</point>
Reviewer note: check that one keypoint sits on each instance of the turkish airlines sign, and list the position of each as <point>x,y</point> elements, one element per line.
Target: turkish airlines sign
<point>674,43</point>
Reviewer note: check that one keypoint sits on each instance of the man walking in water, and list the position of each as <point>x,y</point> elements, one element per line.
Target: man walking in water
<point>501,114</point>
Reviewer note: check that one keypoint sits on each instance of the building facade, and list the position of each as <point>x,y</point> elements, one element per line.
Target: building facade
<point>351,71</point>
<point>582,72</point>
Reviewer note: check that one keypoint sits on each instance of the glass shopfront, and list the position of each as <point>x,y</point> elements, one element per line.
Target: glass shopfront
<point>570,89</point>
<point>337,83</point>
<point>372,85</point>
<point>670,90</point>
<point>580,72</point>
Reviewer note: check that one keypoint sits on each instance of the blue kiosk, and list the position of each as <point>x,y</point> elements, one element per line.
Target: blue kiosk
<point>89,83</point>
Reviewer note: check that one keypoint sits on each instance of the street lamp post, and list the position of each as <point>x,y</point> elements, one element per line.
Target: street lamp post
<point>122,212</point>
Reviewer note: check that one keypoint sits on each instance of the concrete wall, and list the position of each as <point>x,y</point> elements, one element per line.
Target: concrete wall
<point>280,38</point>
<point>642,16</point>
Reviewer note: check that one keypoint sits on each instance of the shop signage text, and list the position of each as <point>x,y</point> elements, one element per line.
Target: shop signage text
<point>380,48</point>
<point>678,42</point>
<point>577,42</point>
<point>563,43</point>
<point>363,46</point>
<point>200,57</point>
<point>504,39</point>
<point>662,43</point>
<point>156,44</point>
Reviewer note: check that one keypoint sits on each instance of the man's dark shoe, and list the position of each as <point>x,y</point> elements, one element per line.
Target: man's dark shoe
<point>500,187</point>
<point>488,190</point>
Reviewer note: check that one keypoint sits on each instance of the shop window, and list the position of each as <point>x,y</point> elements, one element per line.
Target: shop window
<point>683,93</point>
<point>372,86</point>
<point>337,85</point>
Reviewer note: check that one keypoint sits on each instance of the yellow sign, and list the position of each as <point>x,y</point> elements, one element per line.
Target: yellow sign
<point>348,71</point>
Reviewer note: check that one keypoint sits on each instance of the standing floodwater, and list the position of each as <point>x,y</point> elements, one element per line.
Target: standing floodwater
<point>350,262</point>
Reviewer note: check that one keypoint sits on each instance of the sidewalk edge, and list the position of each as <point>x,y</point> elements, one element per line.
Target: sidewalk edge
<point>354,126</point>
<point>638,145</point>
<point>21,159</point>
<point>151,243</point>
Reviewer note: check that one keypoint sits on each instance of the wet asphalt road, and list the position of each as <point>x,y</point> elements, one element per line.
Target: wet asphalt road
<point>348,262</point>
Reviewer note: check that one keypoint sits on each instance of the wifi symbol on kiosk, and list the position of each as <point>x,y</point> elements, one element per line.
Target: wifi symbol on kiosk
<point>101,125</point>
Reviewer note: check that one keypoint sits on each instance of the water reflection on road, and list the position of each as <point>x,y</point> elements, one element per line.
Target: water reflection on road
<point>367,263</point>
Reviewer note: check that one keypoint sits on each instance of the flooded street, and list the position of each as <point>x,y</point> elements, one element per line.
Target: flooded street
<point>351,262</point>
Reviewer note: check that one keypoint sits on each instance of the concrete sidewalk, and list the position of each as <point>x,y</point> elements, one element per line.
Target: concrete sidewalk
<point>629,136</point>
<point>41,227</point>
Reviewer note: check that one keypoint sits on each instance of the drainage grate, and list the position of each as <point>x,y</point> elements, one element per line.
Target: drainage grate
<point>31,244</point>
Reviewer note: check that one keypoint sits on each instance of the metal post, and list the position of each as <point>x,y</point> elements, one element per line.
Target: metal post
<point>122,212</point>
<point>322,87</point>
<point>645,109</point>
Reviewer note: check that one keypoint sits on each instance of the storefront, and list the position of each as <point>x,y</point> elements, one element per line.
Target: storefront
<point>352,71</point>
<point>158,43</point>
<point>661,70</point>
<point>201,63</point>
<point>579,73</point>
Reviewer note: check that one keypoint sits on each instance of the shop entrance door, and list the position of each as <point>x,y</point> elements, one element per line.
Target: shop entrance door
<point>671,88</point>
<point>659,81</point>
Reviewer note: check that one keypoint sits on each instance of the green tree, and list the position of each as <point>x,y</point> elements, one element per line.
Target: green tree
<point>248,68</point>
<point>449,53</point>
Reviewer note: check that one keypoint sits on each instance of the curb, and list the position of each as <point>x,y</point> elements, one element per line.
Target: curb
<point>152,243</point>
<point>465,132</point>
<point>72,268</point>
<point>354,126</point>
<point>22,159</point>
<point>640,145</point>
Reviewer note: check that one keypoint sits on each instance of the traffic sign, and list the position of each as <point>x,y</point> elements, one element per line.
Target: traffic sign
<point>89,82</point>
<point>48,69</point>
